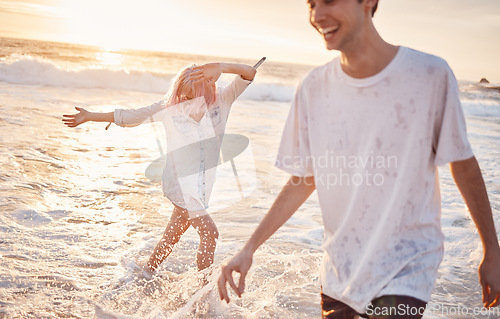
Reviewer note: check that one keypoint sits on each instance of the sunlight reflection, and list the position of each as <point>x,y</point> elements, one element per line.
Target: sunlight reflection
<point>110,58</point>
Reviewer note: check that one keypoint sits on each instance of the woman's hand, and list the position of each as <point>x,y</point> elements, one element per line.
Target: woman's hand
<point>209,72</point>
<point>74,120</point>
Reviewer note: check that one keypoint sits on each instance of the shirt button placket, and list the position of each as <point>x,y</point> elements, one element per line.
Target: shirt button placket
<point>201,177</point>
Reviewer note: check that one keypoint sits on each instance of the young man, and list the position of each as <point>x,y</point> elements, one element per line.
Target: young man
<point>367,131</point>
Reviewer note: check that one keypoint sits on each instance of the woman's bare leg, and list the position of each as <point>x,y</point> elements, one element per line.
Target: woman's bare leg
<point>176,227</point>
<point>208,232</point>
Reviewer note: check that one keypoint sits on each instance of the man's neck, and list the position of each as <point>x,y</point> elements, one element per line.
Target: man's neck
<point>370,55</point>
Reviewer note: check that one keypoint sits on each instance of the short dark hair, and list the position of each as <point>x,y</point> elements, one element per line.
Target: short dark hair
<point>374,7</point>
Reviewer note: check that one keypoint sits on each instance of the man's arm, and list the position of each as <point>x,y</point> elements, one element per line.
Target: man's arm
<point>469,180</point>
<point>293,194</point>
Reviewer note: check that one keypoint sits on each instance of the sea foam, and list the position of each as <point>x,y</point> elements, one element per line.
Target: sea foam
<point>29,70</point>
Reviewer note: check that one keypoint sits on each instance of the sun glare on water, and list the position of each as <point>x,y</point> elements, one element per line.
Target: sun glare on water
<point>108,58</point>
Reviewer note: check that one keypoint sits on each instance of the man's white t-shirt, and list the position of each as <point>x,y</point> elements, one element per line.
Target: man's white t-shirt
<point>373,146</point>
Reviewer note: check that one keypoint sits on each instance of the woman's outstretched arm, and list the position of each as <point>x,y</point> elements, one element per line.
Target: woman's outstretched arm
<point>73,120</point>
<point>121,117</point>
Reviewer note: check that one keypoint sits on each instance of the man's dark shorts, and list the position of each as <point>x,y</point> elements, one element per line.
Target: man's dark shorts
<point>386,307</point>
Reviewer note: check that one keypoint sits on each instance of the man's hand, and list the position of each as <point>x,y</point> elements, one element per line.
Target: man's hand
<point>489,277</point>
<point>209,72</point>
<point>293,194</point>
<point>76,119</point>
<point>469,180</point>
<point>240,263</point>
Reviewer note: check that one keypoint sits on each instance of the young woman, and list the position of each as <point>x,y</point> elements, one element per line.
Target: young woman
<point>194,114</point>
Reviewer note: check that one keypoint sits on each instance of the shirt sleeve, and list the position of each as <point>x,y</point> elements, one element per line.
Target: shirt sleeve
<point>294,154</point>
<point>134,117</point>
<point>230,93</point>
<point>452,143</point>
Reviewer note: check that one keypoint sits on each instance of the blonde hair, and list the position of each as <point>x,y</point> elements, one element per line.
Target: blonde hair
<point>183,89</point>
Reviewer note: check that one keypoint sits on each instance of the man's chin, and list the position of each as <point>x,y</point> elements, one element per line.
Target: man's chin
<point>331,47</point>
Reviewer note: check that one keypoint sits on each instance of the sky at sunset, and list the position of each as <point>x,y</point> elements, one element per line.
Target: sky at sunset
<point>466,33</point>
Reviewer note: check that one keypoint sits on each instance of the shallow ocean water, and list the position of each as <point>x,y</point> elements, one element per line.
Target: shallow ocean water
<point>77,210</point>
